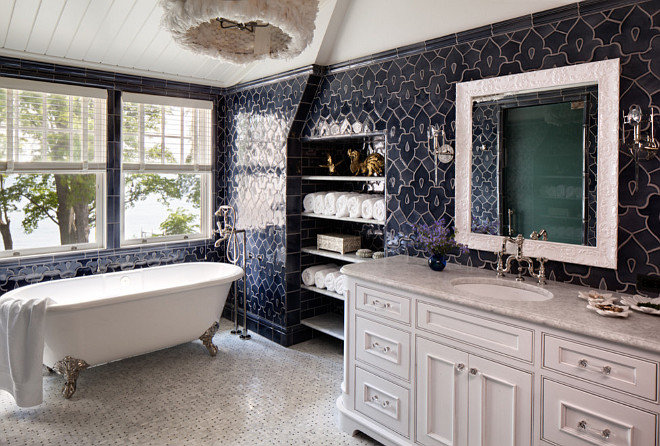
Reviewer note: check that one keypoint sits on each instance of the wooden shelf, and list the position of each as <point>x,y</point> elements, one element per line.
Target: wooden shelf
<point>322,291</point>
<point>355,220</point>
<point>330,323</point>
<point>341,178</point>
<point>351,257</point>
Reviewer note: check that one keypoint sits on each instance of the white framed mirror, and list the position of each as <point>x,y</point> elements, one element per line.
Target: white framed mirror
<point>594,241</point>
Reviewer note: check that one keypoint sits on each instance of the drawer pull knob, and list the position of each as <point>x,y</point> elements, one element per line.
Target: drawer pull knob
<point>377,346</point>
<point>605,433</point>
<point>605,370</point>
<point>378,304</point>
<point>385,403</point>
<point>473,371</point>
<point>460,367</point>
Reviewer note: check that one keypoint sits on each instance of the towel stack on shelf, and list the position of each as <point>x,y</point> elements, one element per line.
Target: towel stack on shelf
<point>345,204</point>
<point>326,276</point>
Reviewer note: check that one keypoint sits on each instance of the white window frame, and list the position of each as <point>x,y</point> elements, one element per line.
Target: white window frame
<point>198,167</point>
<point>13,167</point>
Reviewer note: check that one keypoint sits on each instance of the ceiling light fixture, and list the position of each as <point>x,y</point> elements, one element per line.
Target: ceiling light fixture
<point>241,31</point>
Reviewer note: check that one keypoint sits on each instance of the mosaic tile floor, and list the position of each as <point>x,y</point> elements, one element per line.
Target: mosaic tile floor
<point>253,393</point>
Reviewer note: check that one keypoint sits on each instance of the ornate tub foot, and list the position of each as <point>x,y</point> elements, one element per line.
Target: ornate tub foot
<point>70,368</point>
<point>207,339</point>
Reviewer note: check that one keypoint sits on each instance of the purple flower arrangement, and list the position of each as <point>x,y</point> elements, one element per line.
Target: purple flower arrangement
<point>438,239</point>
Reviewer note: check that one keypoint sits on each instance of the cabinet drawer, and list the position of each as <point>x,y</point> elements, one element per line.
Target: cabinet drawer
<point>572,417</point>
<point>382,401</point>
<point>382,346</point>
<point>383,303</point>
<point>503,338</point>
<point>612,369</point>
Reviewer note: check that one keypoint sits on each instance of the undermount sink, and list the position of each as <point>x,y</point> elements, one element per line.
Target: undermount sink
<point>500,289</point>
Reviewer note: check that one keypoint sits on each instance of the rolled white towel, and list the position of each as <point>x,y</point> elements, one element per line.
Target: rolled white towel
<point>368,207</point>
<point>308,274</point>
<point>319,203</point>
<point>330,280</point>
<point>342,204</point>
<point>340,284</point>
<point>308,202</point>
<point>379,210</point>
<point>320,276</point>
<point>355,205</point>
<point>331,203</point>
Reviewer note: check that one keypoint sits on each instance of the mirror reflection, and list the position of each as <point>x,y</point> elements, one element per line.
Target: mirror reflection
<point>534,164</point>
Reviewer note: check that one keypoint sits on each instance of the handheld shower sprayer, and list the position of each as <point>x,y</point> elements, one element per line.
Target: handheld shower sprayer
<point>226,228</point>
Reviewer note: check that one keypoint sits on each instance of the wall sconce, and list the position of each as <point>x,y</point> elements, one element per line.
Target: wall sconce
<point>442,153</point>
<point>642,146</point>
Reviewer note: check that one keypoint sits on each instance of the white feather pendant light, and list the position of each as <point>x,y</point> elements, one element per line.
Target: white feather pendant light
<point>241,31</point>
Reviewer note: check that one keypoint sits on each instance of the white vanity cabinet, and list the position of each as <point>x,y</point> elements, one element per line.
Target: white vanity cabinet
<point>464,399</point>
<point>431,371</point>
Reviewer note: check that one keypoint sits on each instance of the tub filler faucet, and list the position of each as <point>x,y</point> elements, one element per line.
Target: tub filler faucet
<point>227,231</point>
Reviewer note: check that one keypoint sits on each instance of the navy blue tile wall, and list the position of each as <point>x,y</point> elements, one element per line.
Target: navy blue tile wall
<point>403,92</point>
<point>15,273</point>
<point>258,121</point>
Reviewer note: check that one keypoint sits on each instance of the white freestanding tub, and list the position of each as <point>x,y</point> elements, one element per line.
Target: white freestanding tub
<point>101,318</point>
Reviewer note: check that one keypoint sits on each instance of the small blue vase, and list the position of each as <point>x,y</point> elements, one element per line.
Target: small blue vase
<point>437,262</point>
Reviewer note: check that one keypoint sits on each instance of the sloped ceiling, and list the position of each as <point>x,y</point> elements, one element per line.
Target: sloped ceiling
<point>125,35</point>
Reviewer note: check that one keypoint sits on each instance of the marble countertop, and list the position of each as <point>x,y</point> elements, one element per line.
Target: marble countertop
<point>565,311</point>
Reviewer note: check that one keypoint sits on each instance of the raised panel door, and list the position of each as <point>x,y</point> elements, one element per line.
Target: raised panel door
<point>442,394</point>
<point>500,402</point>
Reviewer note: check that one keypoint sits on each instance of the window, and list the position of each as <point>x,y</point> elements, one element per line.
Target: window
<point>52,167</point>
<point>166,168</point>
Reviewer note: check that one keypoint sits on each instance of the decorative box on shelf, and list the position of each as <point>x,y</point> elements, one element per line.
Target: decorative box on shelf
<point>338,242</point>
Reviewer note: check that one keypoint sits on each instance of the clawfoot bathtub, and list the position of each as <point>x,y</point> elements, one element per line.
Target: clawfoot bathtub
<point>107,317</point>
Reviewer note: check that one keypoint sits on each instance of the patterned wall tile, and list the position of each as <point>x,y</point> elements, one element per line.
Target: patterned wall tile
<point>405,95</point>
<point>258,122</point>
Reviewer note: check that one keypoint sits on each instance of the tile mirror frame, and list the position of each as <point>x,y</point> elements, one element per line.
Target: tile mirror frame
<point>605,74</point>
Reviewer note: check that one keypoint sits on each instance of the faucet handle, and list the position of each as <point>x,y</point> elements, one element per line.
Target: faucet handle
<point>542,234</point>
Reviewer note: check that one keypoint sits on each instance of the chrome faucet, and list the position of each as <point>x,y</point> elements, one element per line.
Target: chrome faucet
<point>520,259</point>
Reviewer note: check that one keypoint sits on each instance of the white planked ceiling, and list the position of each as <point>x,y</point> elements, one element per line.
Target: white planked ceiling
<point>125,35</point>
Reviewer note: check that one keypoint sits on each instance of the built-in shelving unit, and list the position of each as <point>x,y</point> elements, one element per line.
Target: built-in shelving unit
<point>329,323</point>
<point>355,220</point>
<point>315,178</point>
<point>323,291</point>
<point>340,178</point>
<point>349,257</point>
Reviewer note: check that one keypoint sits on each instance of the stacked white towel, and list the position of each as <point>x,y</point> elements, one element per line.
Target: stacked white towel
<point>331,203</point>
<point>330,280</point>
<point>379,210</point>
<point>308,274</point>
<point>342,204</point>
<point>308,202</point>
<point>345,204</point>
<point>355,205</point>
<point>340,285</point>
<point>319,203</point>
<point>368,208</point>
<point>22,330</point>
<point>320,276</point>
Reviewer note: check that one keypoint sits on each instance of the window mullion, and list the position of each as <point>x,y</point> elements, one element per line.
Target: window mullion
<point>182,135</point>
<point>141,135</point>
<point>162,134</point>
<point>44,128</point>
<point>85,133</point>
<point>12,132</point>
<point>71,132</point>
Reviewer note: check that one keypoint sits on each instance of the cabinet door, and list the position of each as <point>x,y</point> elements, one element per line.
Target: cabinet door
<point>441,394</point>
<point>500,401</point>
